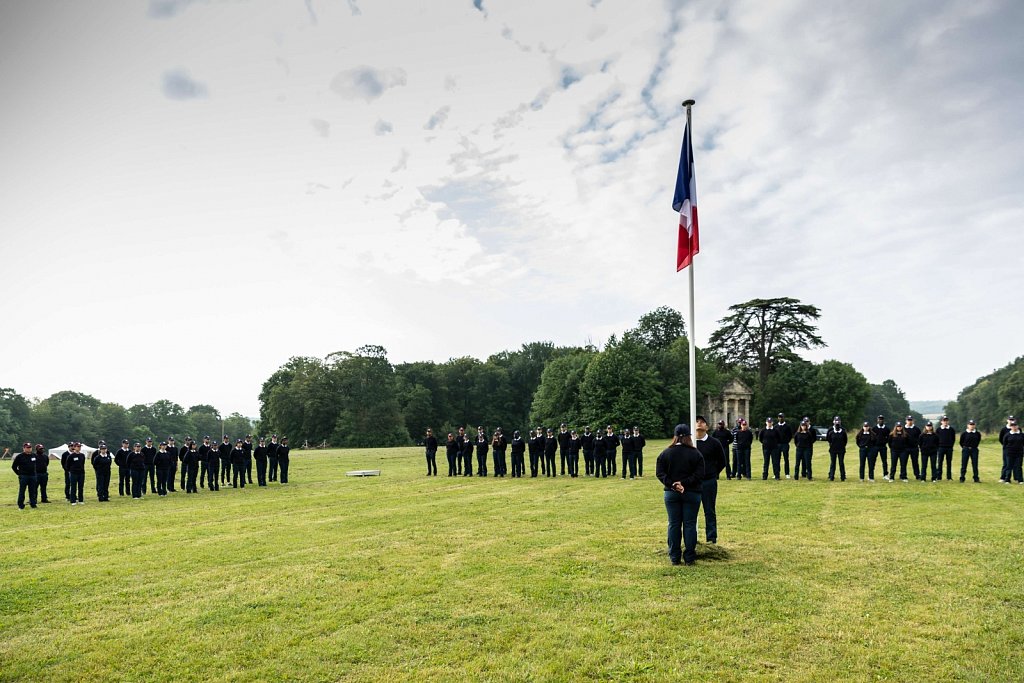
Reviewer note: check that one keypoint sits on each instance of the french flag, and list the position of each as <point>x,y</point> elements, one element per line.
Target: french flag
<point>685,202</point>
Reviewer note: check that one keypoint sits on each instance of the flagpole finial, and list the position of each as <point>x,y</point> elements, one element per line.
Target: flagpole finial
<point>689,103</point>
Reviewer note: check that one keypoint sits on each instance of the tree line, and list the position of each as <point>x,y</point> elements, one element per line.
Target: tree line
<point>990,399</point>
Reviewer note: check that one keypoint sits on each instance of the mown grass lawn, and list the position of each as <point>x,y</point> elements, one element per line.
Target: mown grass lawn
<point>405,578</point>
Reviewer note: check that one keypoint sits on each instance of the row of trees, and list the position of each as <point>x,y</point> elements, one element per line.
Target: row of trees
<point>991,398</point>
<point>71,415</point>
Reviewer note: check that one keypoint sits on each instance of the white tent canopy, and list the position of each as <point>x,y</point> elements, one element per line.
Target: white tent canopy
<point>55,453</point>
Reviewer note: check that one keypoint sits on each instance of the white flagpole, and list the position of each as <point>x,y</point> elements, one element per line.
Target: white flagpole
<point>693,330</point>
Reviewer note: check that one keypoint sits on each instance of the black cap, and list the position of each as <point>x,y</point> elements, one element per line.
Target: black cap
<point>682,430</point>
<point>866,424</point>
<point>149,438</point>
<point>928,424</point>
<point>910,417</point>
<point>971,422</point>
<point>721,422</point>
<point>944,417</point>
<point>701,418</point>
<point>207,436</point>
<point>781,415</point>
<point>163,443</point>
<point>26,445</point>
<point>882,418</point>
<point>124,441</point>
<point>769,419</point>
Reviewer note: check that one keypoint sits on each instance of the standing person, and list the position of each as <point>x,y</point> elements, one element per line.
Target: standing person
<point>970,439</point>
<point>724,437</point>
<point>563,444</point>
<point>866,445</point>
<point>498,446</point>
<point>535,455</point>
<point>190,467</point>
<point>224,454</point>
<point>744,440</point>
<point>149,452</point>
<point>769,438</point>
<point>1004,472</point>
<point>1014,443</point>
<point>452,452</point>
<point>638,451</point>
<point>680,469</point>
<point>574,454</point>
<point>518,453</point>
<point>804,439</point>
<point>913,445</point>
<point>715,461</point>
<point>550,446</point>
<point>929,444</point>
<point>460,439</point>
<point>137,470</point>
<point>162,465</point>
<point>283,458</point>
<point>247,447</point>
<point>24,465</point>
<point>627,453</point>
<point>177,455</point>
<point>203,452</point>
<point>898,449</point>
<point>785,431</point>
<point>837,440</point>
<point>260,453</point>
<point>735,450</point>
<point>102,462</point>
<point>67,475</point>
<point>238,458</point>
<point>611,447</point>
<point>540,442</point>
<point>466,456</point>
<point>76,473</point>
<point>600,456</point>
<point>430,446</point>
<point>42,475</point>
<point>124,481</point>
<point>881,432</point>
<point>482,448</point>
<point>947,439</point>
<point>212,469</point>
<point>587,445</point>
<point>272,449</point>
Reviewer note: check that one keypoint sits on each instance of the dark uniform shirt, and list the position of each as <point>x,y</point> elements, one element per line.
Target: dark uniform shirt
<point>683,464</point>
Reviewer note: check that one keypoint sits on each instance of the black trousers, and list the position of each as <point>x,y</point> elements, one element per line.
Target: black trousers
<point>574,464</point>
<point>588,462</point>
<point>161,481</point>
<point>929,459</point>
<point>841,457</point>
<point>43,478</point>
<point>467,464</point>
<point>599,465</point>
<point>238,473</point>
<point>884,458</point>
<point>803,461</point>
<point>945,455</point>
<point>30,483</point>
<point>172,470</point>
<point>272,459</point>
<point>640,465</point>
<point>212,476</point>
<point>151,475</point>
<point>431,463</point>
<point>518,465</point>
<point>138,482</point>
<point>913,454</point>
<point>966,454</point>
<point>564,457</point>
<point>76,486</point>
<point>452,469</point>
<point>67,482</point>
<point>190,481</point>
<point>202,474</point>
<point>124,481</point>
<point>770,454</point>
<point>499,464</point>
<point>225,470</point>
<point>551,464</point>
<point>102,484</point>
<point>784,452</point>
<point>283,464</point>
<point>261,471</point>
<point>609,463</point>
<point>184,473</point>
<point>481,464</point>
<point>248,469</point>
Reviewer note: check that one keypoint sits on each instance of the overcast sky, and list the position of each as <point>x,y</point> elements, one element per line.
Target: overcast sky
<point>192,192</point>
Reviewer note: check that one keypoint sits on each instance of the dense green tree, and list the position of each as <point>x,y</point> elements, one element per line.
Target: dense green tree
<point>673,366</point>
<point>658,329</point>
<point>838,389</point>
<point>66,416</point>
<point>206,421</point>
<point>370,414</point>
<point>558,398</point>
<point>418,411</point>
<point>165,418</point>
<point>889,400</point>
<point>991,398</point>
<point>237,426</point>
<point>621,386</point>
<point>113,422</point>
<point>15,419</point>
<point>524,368</point>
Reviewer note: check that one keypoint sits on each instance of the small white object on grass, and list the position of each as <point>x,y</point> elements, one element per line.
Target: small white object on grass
<point>363,473</point>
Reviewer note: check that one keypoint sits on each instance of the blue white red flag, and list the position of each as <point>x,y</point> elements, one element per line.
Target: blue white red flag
<point>685,202</point>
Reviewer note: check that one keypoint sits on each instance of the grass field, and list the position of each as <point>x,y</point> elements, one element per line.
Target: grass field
<point>405,578</point>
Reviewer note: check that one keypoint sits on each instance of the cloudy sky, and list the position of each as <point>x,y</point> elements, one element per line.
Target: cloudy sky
<point>193,191</point>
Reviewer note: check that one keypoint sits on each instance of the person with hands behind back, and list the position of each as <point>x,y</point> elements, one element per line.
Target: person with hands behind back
<point>680,469</point>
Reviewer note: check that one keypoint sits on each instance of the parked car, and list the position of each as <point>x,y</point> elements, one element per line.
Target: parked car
<point>822,432</point>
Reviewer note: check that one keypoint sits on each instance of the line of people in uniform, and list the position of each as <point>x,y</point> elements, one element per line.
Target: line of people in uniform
<point>542,445</point>
<point>204,465</point>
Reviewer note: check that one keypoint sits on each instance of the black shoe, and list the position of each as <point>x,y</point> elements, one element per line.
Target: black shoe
<point>689,563</point>
<point>677,562</point>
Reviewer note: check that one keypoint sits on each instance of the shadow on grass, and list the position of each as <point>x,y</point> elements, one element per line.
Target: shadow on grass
<point>709,552</point>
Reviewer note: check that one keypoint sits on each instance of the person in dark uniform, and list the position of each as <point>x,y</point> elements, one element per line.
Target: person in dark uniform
<point>272,462</point>
<point>587,445</point>
<point>162,465</point>
<point>76,472</point>
<point>518,450</point>
<point>715,460</point>
<point>24,465</point>
<point>744,440</point>
<point>102,463</point>
<point>803,440</point>
<point>482,447</point>
<point>724,437</point>
<point>137,470</point>
<point>539,442</point>
<point>947,439</point>
<point>452,452</point>
<point>881,432</point>
<point>628,461</point>
<point>837,440</point>
<point>769,438</point>
<point>574,454</point>
<point>913,445</point>
<point>190,466</point>
<point>534,456</point>
<point>929,445</point>
<point>638,451</point>
<point>42,473</point>
<point>466,454</point>
<point>563,444</point>
<point>430,444</point>
<point>212,468</point>
<point>203,451</point>
<point>124,481</point>
<point>247,447</point>
<point>735,450</point>
<point>1014,443</point>
<point>499,444</point>
<point>898,449</point>
<point>785,431</point>
<point>611,449</point>
<point>260,453</point>
<point>866,447</point>
<point>283,458</point>
<point>970,439</point>
<point>224,453</point>
<point>680,469</point>
<point>238,458</point>
<point>460,440</point>
<point>67,475</point>
<point>149,452</point>
<point>177,456</point>
<point>600,456</point>
<point>550,446</point>
<point>1004,473</point>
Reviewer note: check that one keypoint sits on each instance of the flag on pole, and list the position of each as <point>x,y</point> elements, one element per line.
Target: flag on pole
<point>685,202</point>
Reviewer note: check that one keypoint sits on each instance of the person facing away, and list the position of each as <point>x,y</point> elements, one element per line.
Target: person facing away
<point>680,469</point>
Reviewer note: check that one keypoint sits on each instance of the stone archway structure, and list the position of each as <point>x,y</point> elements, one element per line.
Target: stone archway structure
<point>732,404</point>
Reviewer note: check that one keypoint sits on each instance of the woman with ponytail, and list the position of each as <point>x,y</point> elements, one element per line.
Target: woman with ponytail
<point>680,468</point>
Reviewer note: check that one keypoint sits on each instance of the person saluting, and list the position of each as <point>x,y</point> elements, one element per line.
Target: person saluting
<point>680,469</point>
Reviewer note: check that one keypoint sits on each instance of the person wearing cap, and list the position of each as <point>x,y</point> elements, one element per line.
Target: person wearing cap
<point>483,447</point>
<point>837,440</point>
<point>947,439</point>
<point>898,446</point>
<point>744,440</point>
<point>499,444</point>
<point>224,453</point>
<point>260,454</point>
<point>162,466</point>
<point>611,447</point>
<point>42,475</point>
<point>970,439</point>
<point>628,458</point>
<point>124,481</point>
<point>715,461</point>
<point>466,456</point>
<point>913,447</point>
<point>769,438</point>
<point>237,458</point>
<point>881,432</point>
<point>639,442</point>
<point>283,452</point>
<point>212,468</point>
<point>137,470</point>
<point>247,447</point>
<point>460,441</point>
<point>430,444</point>
<point>76,473</point>
<point>24,465</point>
<point>785,431</point>
<point>272,458</point>
<point>1014,443</point>
<point>600,455</point>
<point>587,446</point>
<point>680,469</point>
<point>452,453</point>
<point>203,452</point>
<point>535,445</point>
<point>64,466</point>
<point>149,452</point>
<point>803,441</point>
<point>563,445</point>
<point>868,452</point>
<point>1004,473</point>
<point>550,447</point>
<point>102,462</point>
<point>518,452</point>
<point>724,437</point>
<point>190,468</point>
<point>929,445</point>
<point>574,454</point>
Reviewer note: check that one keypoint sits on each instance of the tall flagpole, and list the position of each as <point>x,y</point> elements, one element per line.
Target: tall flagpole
<point>693,330</point>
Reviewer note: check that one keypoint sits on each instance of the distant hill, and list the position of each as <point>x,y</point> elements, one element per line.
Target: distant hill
<point>991,398</point>
<point>929,407</point>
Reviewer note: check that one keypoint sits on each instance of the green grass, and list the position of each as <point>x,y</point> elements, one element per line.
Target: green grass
<point>404,578</point>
